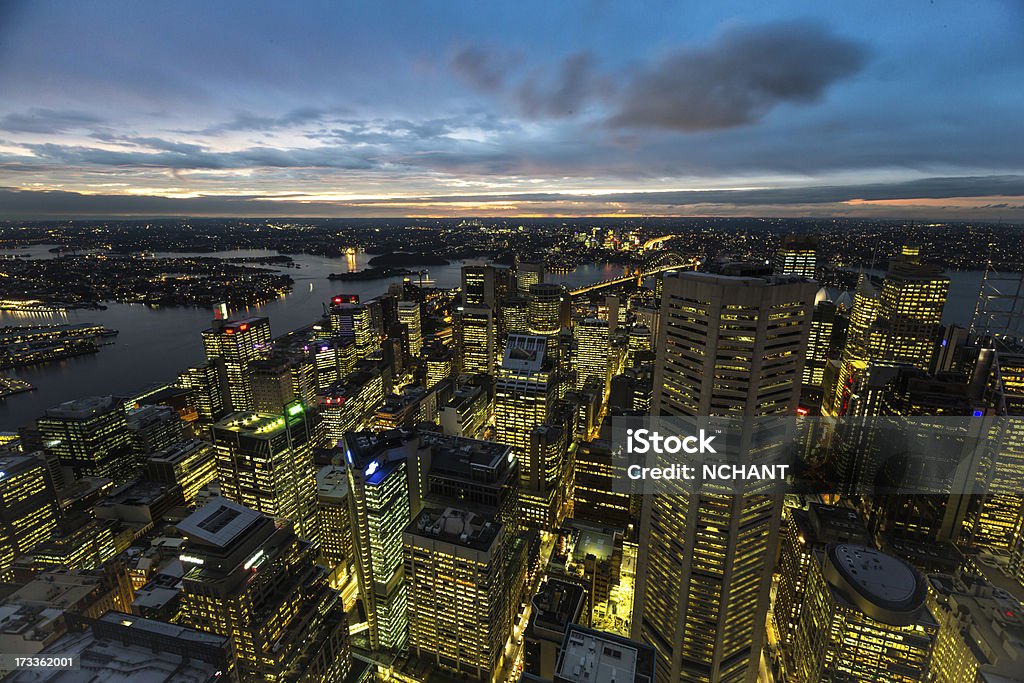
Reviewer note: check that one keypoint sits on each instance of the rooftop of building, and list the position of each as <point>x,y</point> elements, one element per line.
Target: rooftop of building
<point>177,452</point>
<point>882,586</point>
<point>29,621</point>
<point>352,383</point>
<point>524,353</point>
<point>590,656</point>
<point>260,425</point>
<point>556,605</point>
<point>219,522</point>
<point>11,463</point>
<point>741,274</point>
<point>464,455</point>
<point>362,447</point>
<point>990,620</point>
<point>57,588</point>
<point>456,526</point>
<point>238,325</point>
<point>332,482</point>
<point>113,660</point>
<point>137,492</point>
<point>82,408</point>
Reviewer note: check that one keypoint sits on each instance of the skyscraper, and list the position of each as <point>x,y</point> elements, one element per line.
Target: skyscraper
<point>528,273</point>
<point>728,346</point>
<point>384,501</point>
<point>592,355</point>
<point>475,339</point>
<point>337,544</point>
<point>459,594</point>
<point>440,364</point>
<point>894,323</point>
<point>796,256</point>
<point>819,344</point>
<point>524,395</point>
<point>546,310</point>
<point>191,464</point>
<point>265,462</point>
<point>409,316</point>
<point>352,321</point>
<point>479,286</point>
<point>238,343</point>
<point>91,437</point>
<point>280,380</point>
<point>207,384</point>
<point>252,579</point>
<point>864,619</point>
<point>29,507</point>
<point>349,405</point>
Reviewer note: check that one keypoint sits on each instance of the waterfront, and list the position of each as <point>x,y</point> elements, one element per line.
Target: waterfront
<point>154,345</point>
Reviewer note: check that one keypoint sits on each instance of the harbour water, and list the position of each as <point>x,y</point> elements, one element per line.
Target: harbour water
<point>154,345</point>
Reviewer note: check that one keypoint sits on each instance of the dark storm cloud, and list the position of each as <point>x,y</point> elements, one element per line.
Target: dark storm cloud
<point>480,67</point>
<point>48,121</point>
<point>733,81</point>
<point>741,76</point>
<point>574,84</point>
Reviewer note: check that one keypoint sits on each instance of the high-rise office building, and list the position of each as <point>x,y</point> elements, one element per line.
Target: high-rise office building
<point>153,428</point>
<point>524,396</point>
<point>797,256</point>
<point>459,594</point>
<point>864,619</point>
<point>475,339</point>
<point>409,316</point>
<point>479,286</point>
<point>265,462</point>
<point>896,322</point>
<point>528,273</point>
<point>238,343</point>
<point>206,382</point>
<point>912,299</point>
<point>592,355</point>
<point>544,477</point>
<point>819,345</point>
<point>384,499</point>
<point>250,578</point>
<point>728,346</point>
<point>91,437</point>
<point>190,464</point>
<point>279,380</point>
<point>470,472</point>
<point>515,315</point>
<point>594,496</point>
<point>29,507</point>
<point>805,532</point>
<point>546,310</point>
<point>981,630</point>
<point>524,390</point>
<point>440,364</point>
<point>350,405</point>
<point>352,321</point>
<point>337,545</point>
<point>335,357</point>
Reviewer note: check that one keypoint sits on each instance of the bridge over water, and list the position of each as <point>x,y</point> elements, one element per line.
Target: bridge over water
<point>667,260</point>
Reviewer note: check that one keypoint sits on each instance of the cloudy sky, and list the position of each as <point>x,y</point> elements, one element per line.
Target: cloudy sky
<point>879,108</point>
